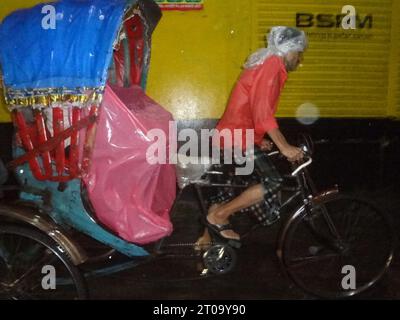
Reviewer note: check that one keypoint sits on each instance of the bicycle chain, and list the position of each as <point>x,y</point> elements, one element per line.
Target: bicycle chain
<point>188,244</point>
<point>196,254</point>
<point>182,246</point>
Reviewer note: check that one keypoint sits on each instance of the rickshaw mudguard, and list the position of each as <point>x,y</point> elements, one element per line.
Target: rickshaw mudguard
<point>31,216</point>
<point>67,208</point>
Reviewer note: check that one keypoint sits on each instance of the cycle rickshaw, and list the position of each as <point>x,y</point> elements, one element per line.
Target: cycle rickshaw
<point>55,108</point>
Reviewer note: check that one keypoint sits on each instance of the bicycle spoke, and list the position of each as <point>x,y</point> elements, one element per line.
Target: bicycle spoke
<point>353,232</point>
<point>301,261</point>
<point>373,221</point>
<point>330,224</point>
<point>16,250</point>
<point>38,265</point>
<point>352,220</point>
<point>28,251</point>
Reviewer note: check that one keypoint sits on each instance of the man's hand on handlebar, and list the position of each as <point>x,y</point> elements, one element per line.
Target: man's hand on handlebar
<point>292,153</point>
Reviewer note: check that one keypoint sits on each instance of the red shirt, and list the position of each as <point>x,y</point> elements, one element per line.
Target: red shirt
<point>254,100</point>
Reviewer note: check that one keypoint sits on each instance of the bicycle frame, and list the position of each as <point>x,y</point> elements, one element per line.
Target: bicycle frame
<point>308,192</point>
<point>304,190</point>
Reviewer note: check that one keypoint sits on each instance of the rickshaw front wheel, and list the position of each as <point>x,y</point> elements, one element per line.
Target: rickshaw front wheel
<point>341,247</point>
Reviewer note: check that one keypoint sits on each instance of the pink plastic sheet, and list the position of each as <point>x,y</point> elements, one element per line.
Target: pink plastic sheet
<point>130,196</point>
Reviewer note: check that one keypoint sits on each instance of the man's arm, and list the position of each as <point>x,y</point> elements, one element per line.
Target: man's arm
<point>264,96</point>
<point>290,152</point>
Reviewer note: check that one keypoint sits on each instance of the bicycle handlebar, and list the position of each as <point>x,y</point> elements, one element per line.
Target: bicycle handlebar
<point>300,167</point>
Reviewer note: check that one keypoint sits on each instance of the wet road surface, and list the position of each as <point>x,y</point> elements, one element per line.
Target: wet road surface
<point>257,275</point>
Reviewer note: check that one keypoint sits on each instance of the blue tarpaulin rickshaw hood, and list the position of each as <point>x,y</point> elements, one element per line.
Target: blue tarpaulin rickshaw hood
<point>75,54</point>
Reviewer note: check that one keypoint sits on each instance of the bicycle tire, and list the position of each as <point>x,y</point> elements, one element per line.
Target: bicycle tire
<point>322,265</point>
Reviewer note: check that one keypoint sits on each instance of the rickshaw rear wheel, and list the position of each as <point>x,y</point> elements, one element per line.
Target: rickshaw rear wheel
<point>34,267</point>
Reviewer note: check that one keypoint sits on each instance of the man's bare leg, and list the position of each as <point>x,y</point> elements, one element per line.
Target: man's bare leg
<point>222,213</point>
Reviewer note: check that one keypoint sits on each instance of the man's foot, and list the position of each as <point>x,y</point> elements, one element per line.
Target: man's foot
<point>204,242</point>
<point>223,227</point>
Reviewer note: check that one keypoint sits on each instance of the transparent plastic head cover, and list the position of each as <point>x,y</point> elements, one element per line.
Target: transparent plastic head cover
<point>281,41</point>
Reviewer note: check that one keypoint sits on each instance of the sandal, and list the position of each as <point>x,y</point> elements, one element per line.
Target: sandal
<point>219,228</point>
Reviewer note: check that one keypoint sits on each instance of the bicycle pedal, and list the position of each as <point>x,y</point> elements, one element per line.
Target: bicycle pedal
<point>235,244</point>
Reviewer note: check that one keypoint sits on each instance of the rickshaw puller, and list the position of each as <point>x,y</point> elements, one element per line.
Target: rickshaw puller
<point>252,105</point>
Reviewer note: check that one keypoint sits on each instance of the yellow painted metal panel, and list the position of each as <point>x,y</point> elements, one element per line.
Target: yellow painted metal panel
<point>197,56</point>
<point>394,70</point>
<point>345,72</point>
